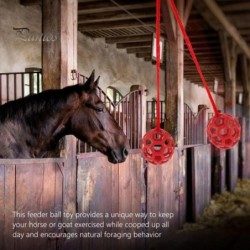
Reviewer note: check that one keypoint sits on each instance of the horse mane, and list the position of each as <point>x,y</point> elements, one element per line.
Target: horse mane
<point>47,101</point>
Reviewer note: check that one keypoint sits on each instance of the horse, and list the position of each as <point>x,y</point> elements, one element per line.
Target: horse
<point>32,126</point>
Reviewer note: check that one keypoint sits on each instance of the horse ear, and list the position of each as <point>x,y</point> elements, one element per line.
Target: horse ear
<point>90,84</point>
<point>97,81</point>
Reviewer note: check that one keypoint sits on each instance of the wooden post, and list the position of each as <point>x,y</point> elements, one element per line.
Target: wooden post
<point>245,125</point>
<point>59,55</point>
<point>59,58</point>
<point>229,52</point>
<point>246,85</point>
<point>138,109</point>
<point>174,79</point>
<point>203,120</point>
<point>51,50</point>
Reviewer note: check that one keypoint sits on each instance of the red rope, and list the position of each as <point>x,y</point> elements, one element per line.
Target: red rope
<point>191,51</point>
<point>158,63</point>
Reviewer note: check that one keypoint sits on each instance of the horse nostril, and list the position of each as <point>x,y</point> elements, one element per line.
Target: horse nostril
<point>125,152</point>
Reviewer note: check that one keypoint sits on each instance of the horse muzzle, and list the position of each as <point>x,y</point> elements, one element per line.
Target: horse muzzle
<point>118,155</point>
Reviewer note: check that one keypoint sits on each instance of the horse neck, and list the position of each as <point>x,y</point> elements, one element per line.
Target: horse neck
<point>50,127</point>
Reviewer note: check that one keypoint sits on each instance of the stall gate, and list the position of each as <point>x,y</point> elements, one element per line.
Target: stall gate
<point>111,190</point>
<point>29,186</point>
<point>19,84</point>
<point>198,180</point>
<point>129,188</point>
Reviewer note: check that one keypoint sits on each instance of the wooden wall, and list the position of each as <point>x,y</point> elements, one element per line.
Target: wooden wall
<point>131,187</point>
<point>198,180</point>
<point>103,187</point>
<point>218,170</point>
<point>28,185</point>
<point>165,189</point>
<point>244,148</point>
<point>246,173</point>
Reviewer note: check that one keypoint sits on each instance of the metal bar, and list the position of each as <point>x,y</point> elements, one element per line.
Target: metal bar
<point>1,98</point>
<point>7,87</point>
<point>22,84</point>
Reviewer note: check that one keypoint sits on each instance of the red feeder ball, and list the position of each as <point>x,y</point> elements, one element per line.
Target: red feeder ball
<point>157,146</point>
<point>223,131</point>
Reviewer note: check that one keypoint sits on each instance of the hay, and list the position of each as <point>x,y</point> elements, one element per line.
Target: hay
<point>225,224</point>
<point>224,208</point>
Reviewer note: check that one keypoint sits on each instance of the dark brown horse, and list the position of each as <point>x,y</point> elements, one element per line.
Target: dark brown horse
<point>32,126</point>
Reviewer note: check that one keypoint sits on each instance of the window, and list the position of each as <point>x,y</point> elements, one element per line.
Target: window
<point>32,81</point>
<point>114,95</point>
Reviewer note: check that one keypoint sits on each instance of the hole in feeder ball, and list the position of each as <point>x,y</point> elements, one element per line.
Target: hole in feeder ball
<point>167,142</point>
<point>217,138</point>
<point>213,131</point>
<point>234,131</point>
<point>166,151</point>
<point>149,151</point>
<point>223,131</point>
<point>219,122</point>
<point>157,136</point>
<point>148,142</point>
<point>230,123</point>
<point>157,147</point>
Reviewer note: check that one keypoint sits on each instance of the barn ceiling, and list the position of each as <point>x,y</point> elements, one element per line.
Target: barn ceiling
<point>130,25</point>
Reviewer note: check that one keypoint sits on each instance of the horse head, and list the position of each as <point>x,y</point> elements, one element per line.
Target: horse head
<point>92,123</point>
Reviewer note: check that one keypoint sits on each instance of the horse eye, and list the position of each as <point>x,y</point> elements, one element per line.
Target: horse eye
<point>101,109</point>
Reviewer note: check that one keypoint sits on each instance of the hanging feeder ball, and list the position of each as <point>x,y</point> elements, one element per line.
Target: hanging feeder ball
<point>157,146</point>
<point>223,131</point>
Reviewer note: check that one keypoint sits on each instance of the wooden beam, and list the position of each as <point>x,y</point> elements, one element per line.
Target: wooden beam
<point>206,69</point>
<point>118,25</point>
<point>200,48</point>
<point>142,55</point>
<point>208,65</point>
<point>207,75</point>
<point>210,60</point>
<point>140,38</point>
<point>244,31</point>
<point>139,50</point>
<point>105,6</point>
<point>187,11</point>
<point>148,59</point>
<point>134,45</point>
<point>115,16</point>
<point>205,57</point>
<point>204,41</point>
<point>233,7</point>
<point>210,54</point>
<point>223,21</point>
<point>204,63</point>
<point>168,20</point>
<point>204,34</point>
<point>209,79</point>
